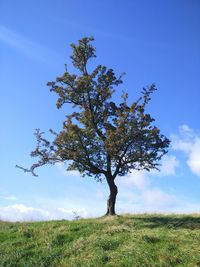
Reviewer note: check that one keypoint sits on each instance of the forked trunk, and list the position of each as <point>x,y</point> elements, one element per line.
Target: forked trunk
<point>112,197</point>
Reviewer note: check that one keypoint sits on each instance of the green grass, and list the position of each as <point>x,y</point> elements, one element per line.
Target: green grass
<point>131,240</point>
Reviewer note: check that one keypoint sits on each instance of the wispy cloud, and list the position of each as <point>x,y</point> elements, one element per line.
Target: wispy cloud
<point>27,47</point>
<point>62,167</point>
<point>5,195</point>
<point>9,197</point>
<point>188,141</point>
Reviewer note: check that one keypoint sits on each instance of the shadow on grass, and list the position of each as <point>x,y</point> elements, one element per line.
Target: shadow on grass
<point>185,222</point>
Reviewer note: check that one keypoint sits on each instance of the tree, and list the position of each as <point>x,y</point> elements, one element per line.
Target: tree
<point>100,138</point>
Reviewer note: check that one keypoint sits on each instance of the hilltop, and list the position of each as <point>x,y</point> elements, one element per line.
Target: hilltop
<point>131,240</point>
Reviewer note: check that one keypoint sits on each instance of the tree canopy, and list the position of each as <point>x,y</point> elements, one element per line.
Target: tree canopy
<point>100,138</point>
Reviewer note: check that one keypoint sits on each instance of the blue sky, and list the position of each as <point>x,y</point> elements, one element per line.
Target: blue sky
<point>150,40</point>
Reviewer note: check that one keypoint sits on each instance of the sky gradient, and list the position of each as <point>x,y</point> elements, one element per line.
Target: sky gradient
<point>153,42</point>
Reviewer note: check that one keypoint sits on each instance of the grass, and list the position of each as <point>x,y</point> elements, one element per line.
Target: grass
<point>131,240</point>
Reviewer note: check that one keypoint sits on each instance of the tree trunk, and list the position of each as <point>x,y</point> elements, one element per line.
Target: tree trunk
<point>112,197</point>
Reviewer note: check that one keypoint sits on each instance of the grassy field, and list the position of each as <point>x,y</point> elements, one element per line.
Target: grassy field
<point>132,240</point>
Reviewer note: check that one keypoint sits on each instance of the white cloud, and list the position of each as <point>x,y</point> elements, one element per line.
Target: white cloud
<point>137,179</point>
<point>156,199</point>
<point>141,179</point>
<point>188,141</point>
<point>194,157</point>
<point>136,197</point>
<point>21,212</point>
<point>137,194</point>
<point>160,203</point>
<point>169,163</point>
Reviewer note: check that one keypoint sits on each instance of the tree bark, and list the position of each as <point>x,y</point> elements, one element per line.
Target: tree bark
<point>112,197</point>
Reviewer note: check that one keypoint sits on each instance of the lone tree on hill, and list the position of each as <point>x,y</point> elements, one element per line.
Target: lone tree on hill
<point>100,139</point>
